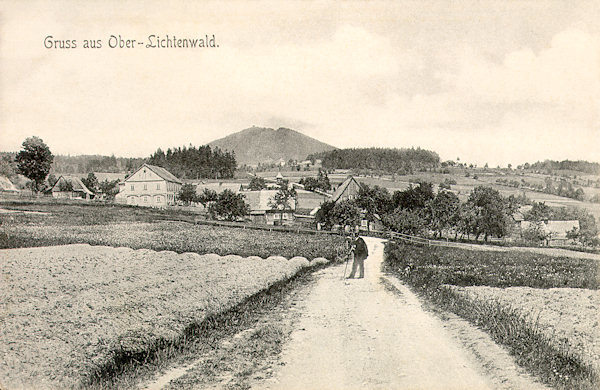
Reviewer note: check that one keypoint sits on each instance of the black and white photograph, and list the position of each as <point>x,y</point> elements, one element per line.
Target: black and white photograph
<point>303,195</point>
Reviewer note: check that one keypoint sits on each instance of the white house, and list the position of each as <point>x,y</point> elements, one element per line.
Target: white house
<point>150,186</point>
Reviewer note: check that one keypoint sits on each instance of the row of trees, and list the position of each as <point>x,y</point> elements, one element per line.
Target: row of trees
<point>196,162</point>
<point>226,205</point>
<point>85,164</point>
<point>399,161</point>
<point>420,211</point>
<point>552,165</point>
<point>319,183</point>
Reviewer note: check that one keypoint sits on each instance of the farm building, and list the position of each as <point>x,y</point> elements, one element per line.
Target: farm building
<point>7,186</point>
<point>348,190</point>
<point>71,187</point>
<point>556,231</point>
<point>150,186</point>
<point>218,187</point>
<point>262,211</point>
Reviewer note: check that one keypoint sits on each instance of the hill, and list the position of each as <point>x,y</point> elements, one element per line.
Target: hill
<point>263,145</point>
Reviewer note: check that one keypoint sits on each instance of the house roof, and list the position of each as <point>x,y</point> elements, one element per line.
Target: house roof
<point>162,172</point>
<point>109,176</point>
<point>76,182</point>
<point>259,201</point>
<point>7,185</point>
<point>558,229</point>
<point>218,187</point>
<point>340,190</point>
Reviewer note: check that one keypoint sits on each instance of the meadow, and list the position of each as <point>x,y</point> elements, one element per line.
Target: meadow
<point>504,292</point>
<point>70,313</point>
<point>137,227</point>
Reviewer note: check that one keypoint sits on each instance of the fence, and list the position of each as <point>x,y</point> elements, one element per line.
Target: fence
<point>425,241</point>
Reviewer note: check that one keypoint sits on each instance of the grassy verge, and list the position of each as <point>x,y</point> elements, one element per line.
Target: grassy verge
<point>428,270</point>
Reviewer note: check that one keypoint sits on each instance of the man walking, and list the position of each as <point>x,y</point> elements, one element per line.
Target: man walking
<point>359,253</point>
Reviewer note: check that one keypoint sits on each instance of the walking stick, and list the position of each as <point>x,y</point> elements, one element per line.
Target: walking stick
<point>346,267</point>
<point>348,256</point>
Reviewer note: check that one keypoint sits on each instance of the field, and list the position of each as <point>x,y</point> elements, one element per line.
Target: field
<point>569,314</point>
<point>524,300</point>
<point>176,236</point>
<point>67,312</point>
<point>137,227</point>
<point>91,285</point>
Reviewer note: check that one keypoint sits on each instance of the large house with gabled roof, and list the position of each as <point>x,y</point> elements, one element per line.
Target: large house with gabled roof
<point>150,186</point>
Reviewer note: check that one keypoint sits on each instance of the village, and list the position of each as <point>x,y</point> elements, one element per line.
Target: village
<point>261,194</point>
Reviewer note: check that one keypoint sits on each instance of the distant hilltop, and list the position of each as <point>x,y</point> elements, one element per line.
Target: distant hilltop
<point>264,145</point>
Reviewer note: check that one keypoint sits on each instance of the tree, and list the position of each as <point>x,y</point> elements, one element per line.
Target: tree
<point>414,197</point>
<point>187,194</point>
<point>229,206</point>
<point>323,181</point>
<point>491,216</point>
<point>109,188</point>
<point>52,180</point>
<point>257,183</point>
<point>405,221</point>
<point>374,200</point>
<point>34,161</point>
<point>207,196</point>
<point>539,212</point>
<point>535,233</point>
<point>324,215</point>
<point>65,185</point>
<point>443,211</point>
<point>345,213</point>
<point>282,199</point>
<point>91,182</point>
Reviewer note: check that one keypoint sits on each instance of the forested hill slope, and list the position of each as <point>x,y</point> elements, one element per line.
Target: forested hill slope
<point>263,145</point>
<point>392,160</point>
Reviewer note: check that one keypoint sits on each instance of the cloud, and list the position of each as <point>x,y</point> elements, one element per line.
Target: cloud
<point>567,75</point>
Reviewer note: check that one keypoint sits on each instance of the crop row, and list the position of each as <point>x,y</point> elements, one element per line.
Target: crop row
<point>68,311</point>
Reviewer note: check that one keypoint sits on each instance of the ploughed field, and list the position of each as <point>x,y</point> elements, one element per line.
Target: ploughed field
<point>544,309</point>
<point>68,312</point>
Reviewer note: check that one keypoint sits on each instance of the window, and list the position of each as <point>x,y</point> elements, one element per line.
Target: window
<point>132,187</point>
<point>158,186</point>
<point>285,216</point>
<point>145,187</point>
<point>145,199</point>
<point>158,199</point>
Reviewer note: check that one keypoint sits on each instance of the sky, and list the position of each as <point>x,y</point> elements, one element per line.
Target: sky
<point>494,82</point>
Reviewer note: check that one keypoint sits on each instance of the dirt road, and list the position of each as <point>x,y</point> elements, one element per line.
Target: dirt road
<point>356,334</point>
